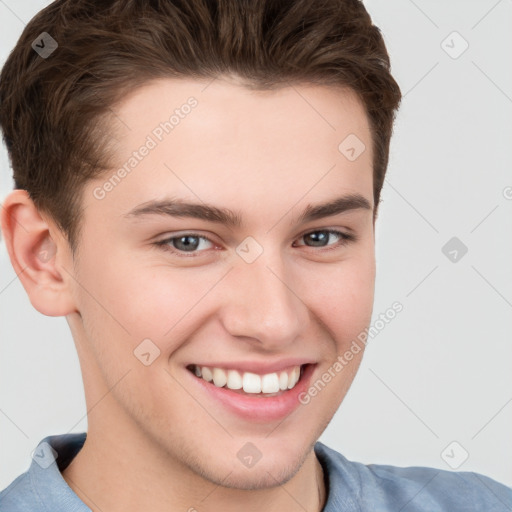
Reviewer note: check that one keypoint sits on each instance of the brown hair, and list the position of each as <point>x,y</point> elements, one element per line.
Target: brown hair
<point>53,110</point>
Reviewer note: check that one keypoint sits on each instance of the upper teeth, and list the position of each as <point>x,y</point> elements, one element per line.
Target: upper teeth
<point>250,382</point>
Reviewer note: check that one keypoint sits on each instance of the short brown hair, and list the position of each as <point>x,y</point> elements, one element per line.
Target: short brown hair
<point>53,110</point>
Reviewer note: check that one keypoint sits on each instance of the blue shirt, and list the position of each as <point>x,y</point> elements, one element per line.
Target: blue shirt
<point>350,486</point>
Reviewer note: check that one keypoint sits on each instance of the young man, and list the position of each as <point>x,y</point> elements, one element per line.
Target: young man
<point>196,188</point>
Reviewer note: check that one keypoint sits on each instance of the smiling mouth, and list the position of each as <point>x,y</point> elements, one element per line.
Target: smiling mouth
<point>248,383</point>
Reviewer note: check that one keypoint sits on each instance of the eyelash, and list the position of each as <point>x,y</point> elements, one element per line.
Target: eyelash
<point>164,244</point>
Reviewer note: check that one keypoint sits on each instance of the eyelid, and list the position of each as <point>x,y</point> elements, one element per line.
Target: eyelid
<point>345,238</point>
<point>165,243</point>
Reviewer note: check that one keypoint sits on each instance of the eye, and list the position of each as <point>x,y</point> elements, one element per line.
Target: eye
<point>187,243</point>
<point>193,244</point>
<point>320,238</point>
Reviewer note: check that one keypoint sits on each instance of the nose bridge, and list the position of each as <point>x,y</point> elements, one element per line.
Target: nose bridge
<point>262,303</point>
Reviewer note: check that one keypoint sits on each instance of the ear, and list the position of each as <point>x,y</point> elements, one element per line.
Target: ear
<point>39,254</point>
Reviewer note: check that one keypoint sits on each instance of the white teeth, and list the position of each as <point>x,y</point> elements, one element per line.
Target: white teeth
<point>270,383</point>
<point>234,380</point>
<point>250,382</point>
<point>219,377</point>
<point>207,374</point>
<point>294,377</point>
<point>283,381</point>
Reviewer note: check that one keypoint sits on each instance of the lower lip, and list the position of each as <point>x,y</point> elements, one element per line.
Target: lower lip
<point>258,408</point>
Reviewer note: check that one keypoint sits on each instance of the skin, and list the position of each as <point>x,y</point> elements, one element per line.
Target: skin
<point>240,150</point>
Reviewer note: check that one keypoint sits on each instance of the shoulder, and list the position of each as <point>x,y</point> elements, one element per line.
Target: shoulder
<point>383,487</point>
<point>19,496</point>
<point>42,487</point>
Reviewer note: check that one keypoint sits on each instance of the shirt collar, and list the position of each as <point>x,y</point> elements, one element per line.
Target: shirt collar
<point>341,487</point>
<point>52,455</point>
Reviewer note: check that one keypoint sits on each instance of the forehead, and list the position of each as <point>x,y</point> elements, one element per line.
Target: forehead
<point>219,142</point>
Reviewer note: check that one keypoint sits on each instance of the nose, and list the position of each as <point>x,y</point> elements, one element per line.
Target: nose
<point>261,303</point>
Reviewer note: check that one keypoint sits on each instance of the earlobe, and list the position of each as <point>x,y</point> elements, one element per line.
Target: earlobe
<point>36,256</point>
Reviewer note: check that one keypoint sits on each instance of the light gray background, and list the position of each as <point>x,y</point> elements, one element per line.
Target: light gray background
<point>440,371</point>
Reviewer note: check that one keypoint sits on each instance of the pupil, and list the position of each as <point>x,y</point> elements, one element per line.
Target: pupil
<point>183,243</point>
<point>318,237</point>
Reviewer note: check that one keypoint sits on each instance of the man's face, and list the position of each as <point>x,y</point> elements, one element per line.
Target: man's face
<point>274,288</point>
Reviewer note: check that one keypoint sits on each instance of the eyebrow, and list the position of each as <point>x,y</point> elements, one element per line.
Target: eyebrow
<point>180,208</point>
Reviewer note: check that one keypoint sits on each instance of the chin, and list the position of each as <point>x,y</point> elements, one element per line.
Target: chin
<point>264,476</point>
<point>270,471</point>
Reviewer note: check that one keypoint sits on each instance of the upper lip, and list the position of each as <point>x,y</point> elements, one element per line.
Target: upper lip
<point>260,367</point>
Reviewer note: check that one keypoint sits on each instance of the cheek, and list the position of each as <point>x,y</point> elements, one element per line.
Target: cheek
<point>150,301</point>
<point>343,297</point>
